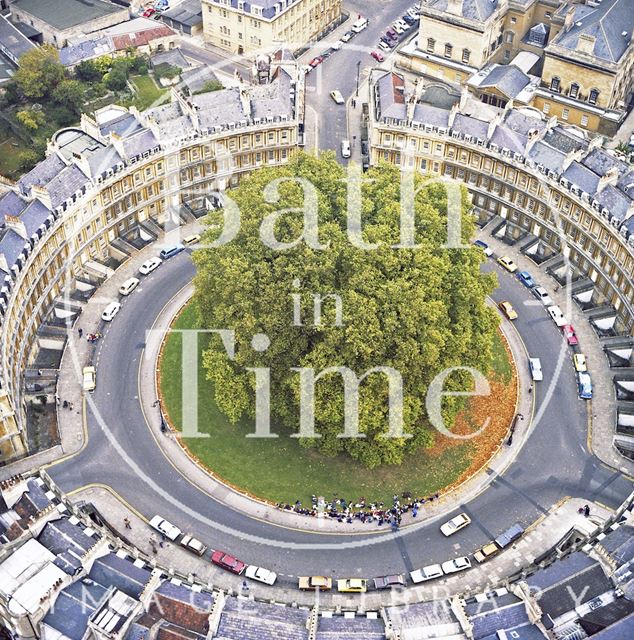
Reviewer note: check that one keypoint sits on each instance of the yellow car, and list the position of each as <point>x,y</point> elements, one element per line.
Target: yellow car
<point>320,583</point>
<point>508,264</point>
<point>579,360</point>
<point>487,551</point>
<point>90,379</point>
<point>507,309</point>
<point>352,585</point>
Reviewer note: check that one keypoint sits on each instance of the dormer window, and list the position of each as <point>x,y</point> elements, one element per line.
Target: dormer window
<point>574,90</point>
<point>448,50</point>
<point>431,45</point>
<point>594,96</point>
<point>555,84</point>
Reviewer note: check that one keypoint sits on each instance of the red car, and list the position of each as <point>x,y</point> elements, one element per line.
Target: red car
<point>379,57</point>
<point>315,62</point>
<point>149,12</point>
<point>228,562</point>
<point>570,335</point>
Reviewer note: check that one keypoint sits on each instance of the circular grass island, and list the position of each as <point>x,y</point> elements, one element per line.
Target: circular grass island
<point>280,470</point>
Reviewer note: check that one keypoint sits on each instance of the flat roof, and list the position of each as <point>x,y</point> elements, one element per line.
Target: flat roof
<point>64,14</point>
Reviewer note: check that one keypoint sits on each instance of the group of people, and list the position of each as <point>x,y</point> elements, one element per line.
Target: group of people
<point>347,511</point>
<point>91,337</point>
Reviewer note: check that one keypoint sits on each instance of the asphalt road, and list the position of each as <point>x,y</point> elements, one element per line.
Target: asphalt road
<point>554,463</point>
<point>339,71</point>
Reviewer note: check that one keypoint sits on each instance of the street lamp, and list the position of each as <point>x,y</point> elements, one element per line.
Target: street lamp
<point>358,68</point>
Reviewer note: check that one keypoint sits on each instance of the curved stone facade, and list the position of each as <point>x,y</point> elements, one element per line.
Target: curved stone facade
<point>121,170</point>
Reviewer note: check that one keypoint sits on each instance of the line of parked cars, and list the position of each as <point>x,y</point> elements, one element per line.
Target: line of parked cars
<point>219,558</point>
<point>430,572</point>
<point>359,26</point>
<point>389,40</point>
<point>584,381</point>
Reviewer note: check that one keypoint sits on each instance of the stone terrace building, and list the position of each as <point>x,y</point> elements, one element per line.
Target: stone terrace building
<point>61,20</point>
<point>121,173</point>
<point>565,201</point>
<point>583,51</point>
<point>247,27</point>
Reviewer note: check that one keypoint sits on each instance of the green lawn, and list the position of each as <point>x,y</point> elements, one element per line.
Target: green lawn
<point>279,469</point>
<point>148,93</point>
<point>9,157</point>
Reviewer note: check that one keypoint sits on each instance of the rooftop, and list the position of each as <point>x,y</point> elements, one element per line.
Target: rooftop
<point>64,14</point>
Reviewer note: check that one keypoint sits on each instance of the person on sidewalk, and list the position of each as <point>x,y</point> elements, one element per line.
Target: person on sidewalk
<point>80,331</point>
<point>126,522</point>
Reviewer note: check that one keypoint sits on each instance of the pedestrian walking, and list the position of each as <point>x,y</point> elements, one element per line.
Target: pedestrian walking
<point>80,331</point>
<point>39,372</point>
<point>57,400</point>
<point>126,522</point>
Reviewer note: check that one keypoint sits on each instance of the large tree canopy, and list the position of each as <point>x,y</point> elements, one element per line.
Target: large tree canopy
<point>419,310</point>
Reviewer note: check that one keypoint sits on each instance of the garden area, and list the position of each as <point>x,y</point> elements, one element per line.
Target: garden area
<point>44,96</point>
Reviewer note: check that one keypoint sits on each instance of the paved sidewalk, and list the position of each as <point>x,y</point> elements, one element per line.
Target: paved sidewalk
<point>539,539</point>
<point>602,407</point>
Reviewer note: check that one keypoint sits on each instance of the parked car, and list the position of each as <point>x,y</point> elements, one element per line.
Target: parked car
<point>526,279</point>
<point>377,55</point>
<point>386,41</point>
<point>455,524</point>
<point>337,45</point>
<point>320,583</point>
<point>384,46</point>
<point>484,246</point>
<point>510,535</point>
<point>535,365</point>
<point>192,544</point>
<point>260,574</point>
<point>387,582</point>
<point>584,385</point>
<point>336,96</point>
<point>507,309</point>
<point>166,528</point>
<point>315,62</point>
<point>193,239</point>
<point>579,362</point>
<point>347,36</point>
<point>570,335</point>
<point>224,560</point>
<point>169,252</point>
<point>487,551</point>
<point>430,572</point>
<point>542,295</point>
<point>397,27</point>
<point>507,263</point>
<point>110,311</point>
<point>89,376</point>
<point>148,13</point>
<point>149,265</point>
<point>352,585</point>
<point>128,286</point>
<point>345,148</point>
<point>392,34</point>
<point>556,314</point>
<point>457,564</point>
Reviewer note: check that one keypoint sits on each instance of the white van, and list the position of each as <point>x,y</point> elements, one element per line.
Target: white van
<point>128,286</point>
<point>360,25</point>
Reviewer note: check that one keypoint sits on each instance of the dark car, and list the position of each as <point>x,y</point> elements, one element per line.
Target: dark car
<point>228,562</point>
<point>387,582</point>
<point>408,19</point>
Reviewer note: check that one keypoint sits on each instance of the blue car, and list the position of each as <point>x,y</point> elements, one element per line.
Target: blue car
<point>584,385</point>
<point>526,279</point>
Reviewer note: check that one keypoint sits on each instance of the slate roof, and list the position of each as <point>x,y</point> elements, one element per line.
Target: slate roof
<point>173,57</point>
<point>600,161</point>
<point>64,14</point>
<point>74,53</point>
<point>65,184</point>
<point>272,99</point>
<point>503,618</point>
<point>357,628</point>
<point>60,535</point>
<point>11,246</point>
<point>618,540</point>
<point>605,22</point>
<point>120,573</point>
<point>188,12</point>
<point>73,607</point>
<point>138,143</point>
<point>218,108</point>
<point>125,125</point>
<point>544,154</point>
<point>136,632</point>
<point>560,570</point>
<point>604,617</point>
<point>34,216</point>
<point>479,10</point>
<point>619,631</point>
<point>562,140</point>
<point>433,116</point>
<point>195,79</point>
<point>391,98</point>
<point>12,40</point>
<point>34,500</point>
<point>470,126</point>
<point>103,159</point>
<point>11,205</point>
<point>614,201</point>
<point>508,79</point>
<point>579,175</point>
<point>42,173</point>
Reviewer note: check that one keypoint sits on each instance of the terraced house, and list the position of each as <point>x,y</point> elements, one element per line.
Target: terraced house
<point>246,27</point>
<point>573,59</point>
<point>567,202</point>
<point>108,186</point>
